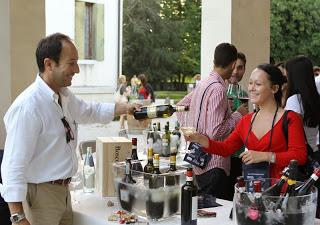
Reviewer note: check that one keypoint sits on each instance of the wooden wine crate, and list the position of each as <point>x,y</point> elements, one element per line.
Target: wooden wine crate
<point>109,150</point>
<point>137,126</point>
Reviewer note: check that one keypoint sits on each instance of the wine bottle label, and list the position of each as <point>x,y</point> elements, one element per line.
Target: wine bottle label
<point>152,112</point>
<point>124,195</point>
<point>157,195</point>
<point>180,108</point>
<point>173,159</point>
<point>165,142</point>
<point>194,208</point>
<point>314,177</point>
<point>291,182</point>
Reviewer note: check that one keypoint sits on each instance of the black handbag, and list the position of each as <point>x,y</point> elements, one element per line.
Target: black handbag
<point>196,156</point>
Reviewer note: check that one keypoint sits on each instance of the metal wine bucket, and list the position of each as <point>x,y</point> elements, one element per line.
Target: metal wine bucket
<point>152,204</point>
<point>278,210</point>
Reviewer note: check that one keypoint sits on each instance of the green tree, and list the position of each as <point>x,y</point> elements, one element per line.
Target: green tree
<point>188,14</point>
<point>162,39</point>
<point>149,43</point>
<point>295,29</point>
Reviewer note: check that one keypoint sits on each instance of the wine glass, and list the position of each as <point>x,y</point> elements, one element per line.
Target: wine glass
<point>75,182</point>
<point>232,91</point>
<point>243,95</point>
<point>187,128</point>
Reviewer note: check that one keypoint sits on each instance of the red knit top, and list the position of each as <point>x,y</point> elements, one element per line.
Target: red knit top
<point>296,148</point>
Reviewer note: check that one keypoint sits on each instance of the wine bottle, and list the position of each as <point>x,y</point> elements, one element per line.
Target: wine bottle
<point>159,111</point>
<point>244,198</point>
<point>168,124</point>
<point>172,181</point>
<point>156,162</point>
<point>136,164</point>
<point>155,202</point>
<point>157,141</point>
<point>176,135</point>
<point>275,189</point>
<point>290,191</point>
<point>156,181</point>
<point>159,127</point>
<point>293,169</point>
<point>88,172</point>
<point>257,208</point>
<point>166,142</point>
<point>149,167</point>
<point>189,201</point>
<point>305,188</point>
<point>126,198</point>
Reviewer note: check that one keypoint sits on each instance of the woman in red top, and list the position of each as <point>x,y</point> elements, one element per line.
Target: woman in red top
<point>261,132</point>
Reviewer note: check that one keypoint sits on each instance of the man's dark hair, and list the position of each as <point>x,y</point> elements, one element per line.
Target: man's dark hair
<point>50,47</point>
<point>224,54</point>
<point>242,57</point>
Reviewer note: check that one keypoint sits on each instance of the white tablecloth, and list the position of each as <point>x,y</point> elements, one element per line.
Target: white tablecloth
<point>90,209</point>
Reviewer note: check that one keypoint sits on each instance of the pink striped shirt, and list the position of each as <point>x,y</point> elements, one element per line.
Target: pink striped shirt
<point>216,120</point>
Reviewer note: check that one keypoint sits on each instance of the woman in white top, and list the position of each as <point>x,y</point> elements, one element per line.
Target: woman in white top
<point>303,97</point>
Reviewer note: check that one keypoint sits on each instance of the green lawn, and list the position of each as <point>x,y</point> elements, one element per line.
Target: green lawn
<point>175,95</point>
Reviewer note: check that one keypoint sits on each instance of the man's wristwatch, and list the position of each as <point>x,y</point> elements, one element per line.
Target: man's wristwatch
<point>17,217</point>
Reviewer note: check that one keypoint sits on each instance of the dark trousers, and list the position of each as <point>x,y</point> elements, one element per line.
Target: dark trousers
<point>235,171</point>
<point>212,182</point>
<point>4,214</point>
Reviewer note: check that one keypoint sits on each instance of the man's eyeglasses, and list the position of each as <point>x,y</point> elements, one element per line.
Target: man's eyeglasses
<point>69,133</point>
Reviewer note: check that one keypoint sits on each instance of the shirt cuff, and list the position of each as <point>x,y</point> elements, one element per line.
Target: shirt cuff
<point>109,111</point>
<point>14,193</point>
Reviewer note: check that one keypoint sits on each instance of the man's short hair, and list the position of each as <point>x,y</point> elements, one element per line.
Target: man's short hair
<point>242,57</point>
<point>50,47</point>
<point>224,54</point>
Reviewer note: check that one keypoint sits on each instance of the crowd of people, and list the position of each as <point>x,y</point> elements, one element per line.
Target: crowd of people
<point>139,89</point>
<point>41,124</point>
<point>290,86</point>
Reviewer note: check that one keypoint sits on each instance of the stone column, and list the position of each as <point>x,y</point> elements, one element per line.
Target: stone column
<point>244,23</point>
<point>22,25</point>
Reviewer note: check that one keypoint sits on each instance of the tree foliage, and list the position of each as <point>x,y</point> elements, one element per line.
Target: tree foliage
<point>161,38</point>
<point>295,29</point>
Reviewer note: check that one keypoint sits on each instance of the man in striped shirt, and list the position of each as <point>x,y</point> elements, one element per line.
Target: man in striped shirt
<point>214,118</point>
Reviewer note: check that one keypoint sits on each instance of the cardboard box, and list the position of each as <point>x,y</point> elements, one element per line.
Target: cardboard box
<point>137,126</point>
<point>109,150</point>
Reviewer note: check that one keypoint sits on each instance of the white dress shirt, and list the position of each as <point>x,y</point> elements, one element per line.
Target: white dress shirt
<point>36,150</point>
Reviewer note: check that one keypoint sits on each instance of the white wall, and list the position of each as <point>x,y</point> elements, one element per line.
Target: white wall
<point>97,79</point>
<point>215,29</point>
<point>5,84</point>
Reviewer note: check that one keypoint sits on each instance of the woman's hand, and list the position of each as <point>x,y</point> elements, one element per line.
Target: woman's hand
<point>250,156</point>
<point>199,138</point>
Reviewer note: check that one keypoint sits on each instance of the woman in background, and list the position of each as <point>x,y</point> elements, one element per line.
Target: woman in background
<point>122,96</point>
<point>145,91</point>
<point>303,96</point>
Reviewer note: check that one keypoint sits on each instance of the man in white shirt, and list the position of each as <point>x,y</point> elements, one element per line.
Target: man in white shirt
<point>39,156</point>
